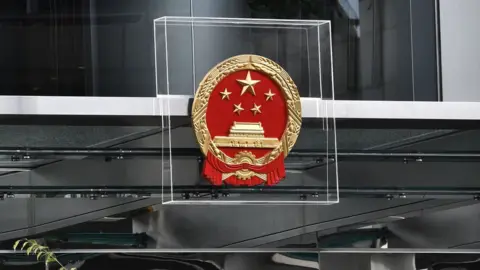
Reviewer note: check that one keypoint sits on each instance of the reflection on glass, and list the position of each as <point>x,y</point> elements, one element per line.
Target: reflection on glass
<point>383,50</point>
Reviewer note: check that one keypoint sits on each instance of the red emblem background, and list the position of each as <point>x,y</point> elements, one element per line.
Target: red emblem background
<point>220,116</point>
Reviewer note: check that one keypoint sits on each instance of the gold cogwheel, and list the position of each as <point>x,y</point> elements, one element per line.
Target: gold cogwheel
<point>244,157</point>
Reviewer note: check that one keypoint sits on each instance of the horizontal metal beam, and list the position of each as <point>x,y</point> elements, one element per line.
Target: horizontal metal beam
<point>195,192</point>
<point>261,250</point>
<point>178,105</point>
<point>24,153</point>
<point>151,111</point>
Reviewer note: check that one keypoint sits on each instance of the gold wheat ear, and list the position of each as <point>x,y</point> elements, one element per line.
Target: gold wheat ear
<point>43,253</point>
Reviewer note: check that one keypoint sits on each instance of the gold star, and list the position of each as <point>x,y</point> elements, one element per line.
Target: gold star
<point>225,94</point>
<point>248,84</point>
<point>256,109</point>
<point>269,94</point>
<point>238,108</point>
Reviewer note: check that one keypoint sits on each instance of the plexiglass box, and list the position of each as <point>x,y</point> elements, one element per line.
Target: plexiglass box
<point>187,48</point>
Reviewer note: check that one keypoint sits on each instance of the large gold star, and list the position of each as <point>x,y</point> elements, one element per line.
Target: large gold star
<point>248,84</point>
<point>269,94</point>
<point>225,94</point>
<point>238,108</point>
<point>256,109</point>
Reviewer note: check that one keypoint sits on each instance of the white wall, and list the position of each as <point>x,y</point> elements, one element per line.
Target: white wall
<point>460,52</point>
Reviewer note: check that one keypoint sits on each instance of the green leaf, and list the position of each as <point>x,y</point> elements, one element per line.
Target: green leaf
<point>24,245</point>
<point>37,248</point>
<point>29,250</point>
<point>63,268</point>
<point>40,254</point>
<point>16,244</point>
<point>50,258</point>
<point>73,268</point>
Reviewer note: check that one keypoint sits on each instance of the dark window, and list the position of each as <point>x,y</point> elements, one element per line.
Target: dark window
<point>383,49</point>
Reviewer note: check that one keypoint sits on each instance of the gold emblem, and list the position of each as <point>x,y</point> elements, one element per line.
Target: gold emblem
<point>247,134</point>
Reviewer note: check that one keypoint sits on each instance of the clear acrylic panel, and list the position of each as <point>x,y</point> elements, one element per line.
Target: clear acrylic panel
<point>188,48</point>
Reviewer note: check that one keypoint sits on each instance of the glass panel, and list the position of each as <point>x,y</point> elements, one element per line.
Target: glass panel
<point>187,48</point>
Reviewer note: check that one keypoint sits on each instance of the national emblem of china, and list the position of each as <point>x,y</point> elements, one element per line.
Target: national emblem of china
<point>246,116</point>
